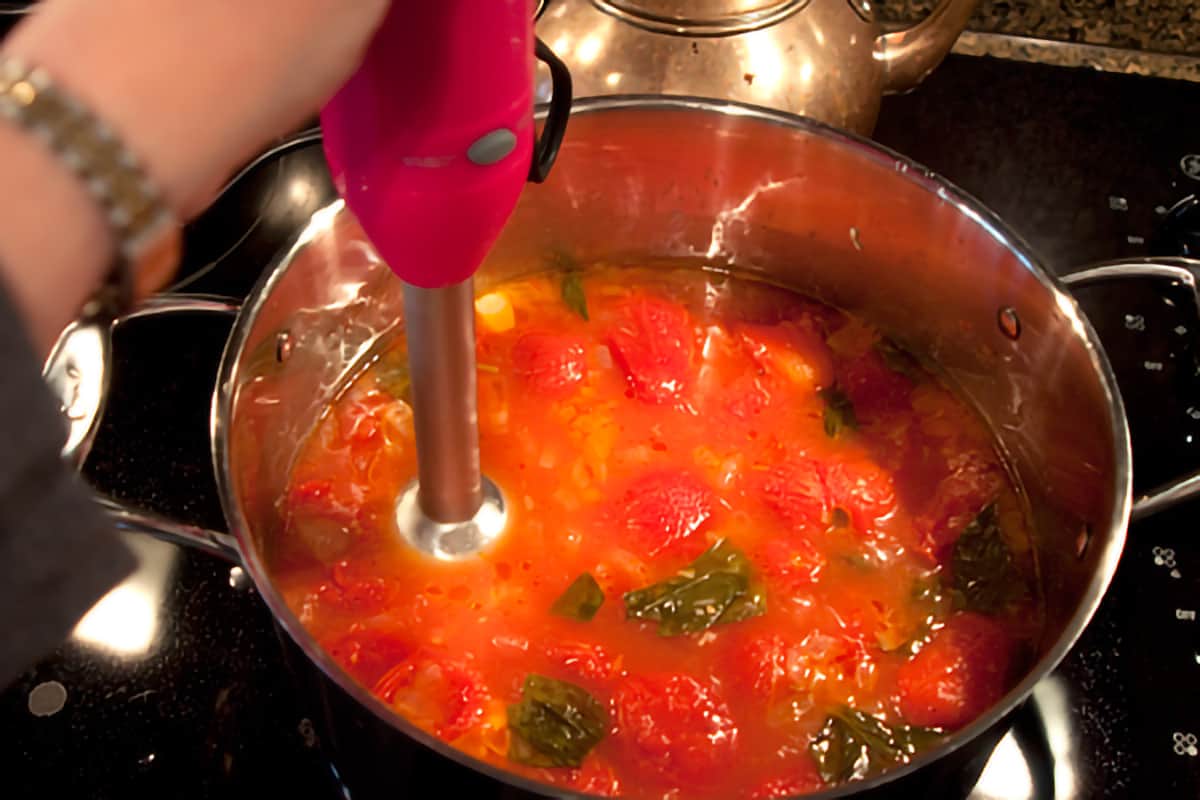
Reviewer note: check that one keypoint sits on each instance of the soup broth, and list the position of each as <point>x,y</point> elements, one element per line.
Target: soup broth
<point>754,548</point>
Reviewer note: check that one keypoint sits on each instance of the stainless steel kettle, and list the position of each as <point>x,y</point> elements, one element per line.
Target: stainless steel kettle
<point>825,59</point>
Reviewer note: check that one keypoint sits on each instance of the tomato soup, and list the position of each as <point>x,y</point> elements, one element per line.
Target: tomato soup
<point>754,548</point>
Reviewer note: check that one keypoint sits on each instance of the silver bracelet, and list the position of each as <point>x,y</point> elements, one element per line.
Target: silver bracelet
<point>146,231</point>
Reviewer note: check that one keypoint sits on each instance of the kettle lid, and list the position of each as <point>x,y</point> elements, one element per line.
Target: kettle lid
<point>701,17</point>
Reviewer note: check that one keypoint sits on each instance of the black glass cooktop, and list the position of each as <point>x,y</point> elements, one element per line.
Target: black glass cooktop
<point>174,685</point>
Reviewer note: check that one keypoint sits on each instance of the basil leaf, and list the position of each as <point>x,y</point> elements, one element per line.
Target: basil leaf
<point>572,293</point>
<point>897,360</point>
<point>391,373</point>
<point>562,261</point>
<point>839,412</point>
<point>581,600</point>
<point>985,577</point>
<point>572,280</point>
<point>556,724</point>
<point>716,588</point>
<point>839,755</point>
<point>853,745</point>
<point>926,589</point>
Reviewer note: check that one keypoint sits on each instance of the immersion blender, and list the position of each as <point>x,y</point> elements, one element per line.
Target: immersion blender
<point>430,143</point>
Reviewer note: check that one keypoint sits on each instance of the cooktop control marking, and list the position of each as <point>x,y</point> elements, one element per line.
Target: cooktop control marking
<point>308,733</point>
<point>1185,744</point>
<point>1190,166</point>
<point>1165,557</point>
<point>47,699</point>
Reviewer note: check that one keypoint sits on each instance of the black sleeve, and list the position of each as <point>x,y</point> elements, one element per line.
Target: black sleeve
<point>58,554</point>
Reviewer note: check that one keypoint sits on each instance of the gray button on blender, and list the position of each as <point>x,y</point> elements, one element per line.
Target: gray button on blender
<point>492,147</point>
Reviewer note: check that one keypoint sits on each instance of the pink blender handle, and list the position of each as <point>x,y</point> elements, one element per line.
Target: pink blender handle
<point>430,142</point>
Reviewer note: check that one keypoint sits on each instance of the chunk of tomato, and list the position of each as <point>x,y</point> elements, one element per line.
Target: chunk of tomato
<point>747,396</point>
<point>360,417</point>
<point>975,478</point>
<point>314,492</point>
<point>323,514</point>
<point>552,364</point>
<point>872,386</point>
<point>863,489</point>
<point>436,690</point>
<point>652,343</point>
<point>793,353</point>
<point>796,491</point>
<point>675,725</point>
<point>791,564</point>
<point>368,651</point>
<point>776,671</point>
<point>759,667</point>
<point>663,511</point>
<point>359,591</point>
<point>832,657</point>
<point>957,676</point>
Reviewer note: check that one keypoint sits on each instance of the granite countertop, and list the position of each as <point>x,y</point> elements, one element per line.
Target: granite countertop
<point>1159,26</point>
<point>1154,37</point>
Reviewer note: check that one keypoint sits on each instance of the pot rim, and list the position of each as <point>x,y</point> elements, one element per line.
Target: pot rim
<point>223,397</point>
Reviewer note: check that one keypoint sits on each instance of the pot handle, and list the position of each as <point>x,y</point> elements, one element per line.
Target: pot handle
<point>909,55</point>
<point>79,370</point>
<point>135,520</point>
<point>1179,270</point>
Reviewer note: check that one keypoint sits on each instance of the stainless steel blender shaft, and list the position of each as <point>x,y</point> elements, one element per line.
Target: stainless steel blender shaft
<point>451,511</point>
<point>440,326</point>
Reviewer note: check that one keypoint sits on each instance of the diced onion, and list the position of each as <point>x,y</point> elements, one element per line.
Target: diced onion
<point>398,415</point>
<point>581,475</point>
<point>499,418</point>
<point>641,454</point>
<point>729,471</point>
<point>517,643</point>
<point>567,498</point>
<point>495,312</point>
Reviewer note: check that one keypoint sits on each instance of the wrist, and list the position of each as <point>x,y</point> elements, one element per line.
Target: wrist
<point>169,126</point>
<point>55,245</point>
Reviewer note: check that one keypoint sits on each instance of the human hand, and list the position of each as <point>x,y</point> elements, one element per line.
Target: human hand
<point>196,88</point>
<point>193,88</point>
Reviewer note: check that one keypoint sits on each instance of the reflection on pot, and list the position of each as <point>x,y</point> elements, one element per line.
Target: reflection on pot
<point>125,622</point>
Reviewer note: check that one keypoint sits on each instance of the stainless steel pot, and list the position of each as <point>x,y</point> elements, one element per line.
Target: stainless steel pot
<point>806,206</point>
